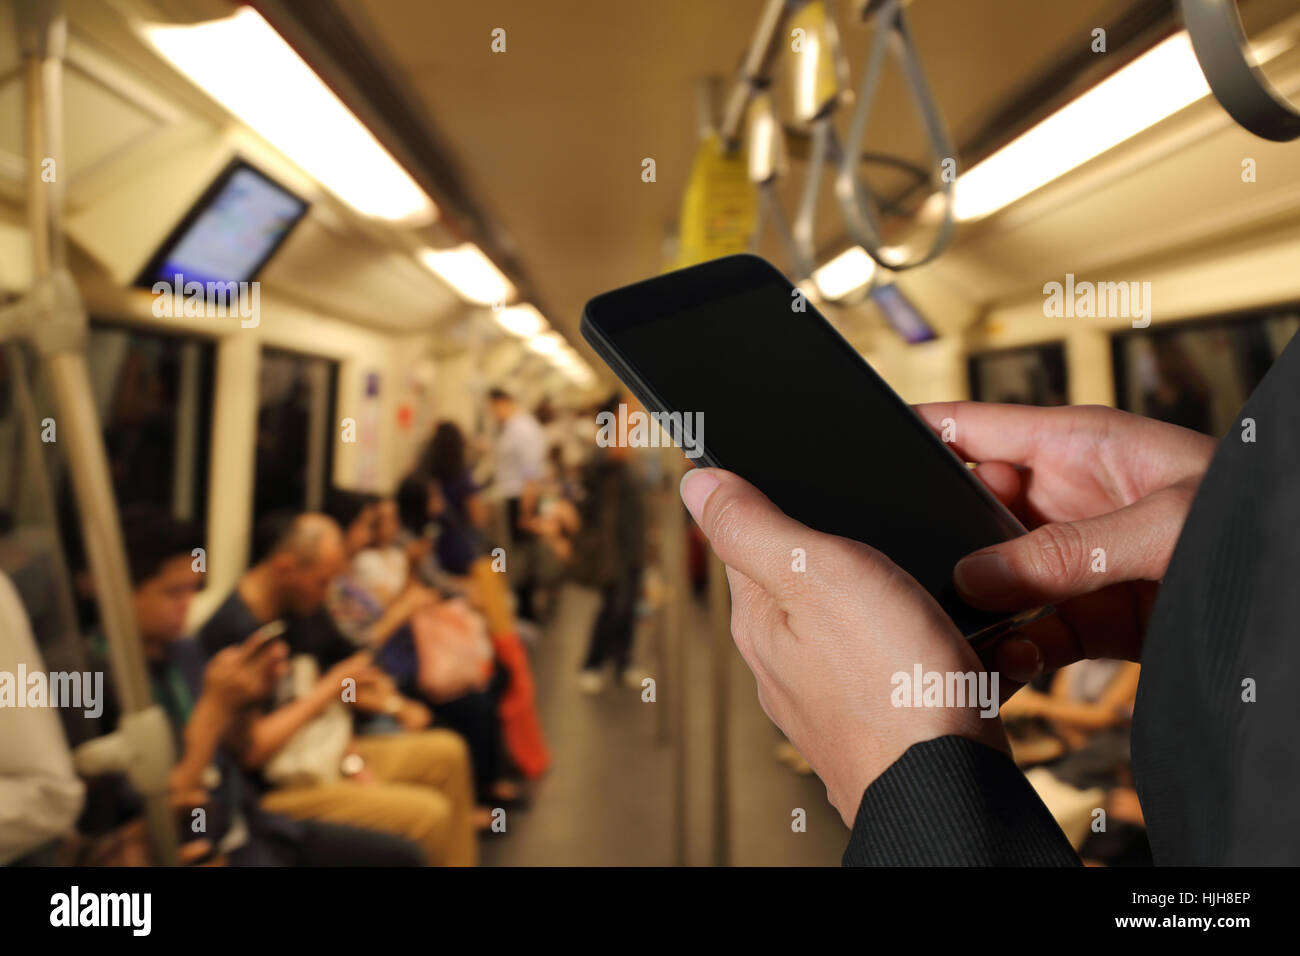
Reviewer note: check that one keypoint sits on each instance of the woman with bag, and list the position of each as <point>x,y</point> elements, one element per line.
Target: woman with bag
<point>453,501</point>
<point>435,649</point>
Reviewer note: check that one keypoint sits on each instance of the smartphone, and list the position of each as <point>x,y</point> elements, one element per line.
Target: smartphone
<point>784,401</point>
<point>265,636</point>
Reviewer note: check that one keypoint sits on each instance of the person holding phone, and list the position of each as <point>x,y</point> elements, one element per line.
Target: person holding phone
<point>208,703</point>
<point>937,785</point>
<point>417,783</point>
<point>865,551</point>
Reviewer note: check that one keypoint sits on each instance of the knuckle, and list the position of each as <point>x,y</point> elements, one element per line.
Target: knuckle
<point>1060,551</point>
<point>729,520</point>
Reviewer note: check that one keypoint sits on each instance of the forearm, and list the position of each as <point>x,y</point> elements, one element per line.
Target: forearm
<point>413,715</point>
<point>269,734</point>
<point>203,733</point>
<point>396,614</point>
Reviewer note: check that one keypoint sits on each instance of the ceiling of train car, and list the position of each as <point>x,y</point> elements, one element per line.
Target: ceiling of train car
<point>123,111</point>
<point>550,135</point>
<point>547,139</point>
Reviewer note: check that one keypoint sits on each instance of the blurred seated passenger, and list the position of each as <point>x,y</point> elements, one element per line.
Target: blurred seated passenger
<point>366,615</point>
<point>434,648</point>
<point>414,784</point>
<point>1088,707</point>
<point>460,513</point>
<point>1087,702</point>
<point>383,568</point>
<point>40,796</point>
<point>210,702</point>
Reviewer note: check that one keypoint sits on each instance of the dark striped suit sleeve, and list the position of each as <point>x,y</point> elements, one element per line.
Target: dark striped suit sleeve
<point>954,802</point>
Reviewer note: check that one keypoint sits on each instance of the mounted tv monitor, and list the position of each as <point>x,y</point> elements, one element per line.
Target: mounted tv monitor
<point>902,316</point>
<point>230,233</point>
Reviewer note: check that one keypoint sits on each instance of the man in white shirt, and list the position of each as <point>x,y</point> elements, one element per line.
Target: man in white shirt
<point>40,795</point>
<point>520,452</point>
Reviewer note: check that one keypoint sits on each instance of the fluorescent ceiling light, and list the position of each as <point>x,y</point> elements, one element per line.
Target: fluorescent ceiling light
<point>548,344</point>
<point>1164,80</point>
<point>809,288</point>
<point>573,367</point>
<point>247,67</point>
<point>521,320</point>
<point>473,275</point>
<point>850,270</point>
<point>580,376</point>
<point>808,68</point>
<point>567,358</point>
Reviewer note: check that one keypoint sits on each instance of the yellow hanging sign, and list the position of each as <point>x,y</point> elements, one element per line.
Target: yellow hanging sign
<point>720,207</point>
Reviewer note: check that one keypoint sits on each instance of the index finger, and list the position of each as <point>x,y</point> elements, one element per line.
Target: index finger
<point>984,431</point>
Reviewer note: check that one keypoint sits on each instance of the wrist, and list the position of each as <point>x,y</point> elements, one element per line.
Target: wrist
<point>216,706</point>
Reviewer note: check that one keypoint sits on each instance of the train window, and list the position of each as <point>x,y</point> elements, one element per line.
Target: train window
<point>1034,375</point>
<point>153,392</point>
<point>1198,374</point>
<point>294,450</point>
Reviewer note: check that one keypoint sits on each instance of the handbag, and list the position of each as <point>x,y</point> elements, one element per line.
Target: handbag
<point>453,652</point>
<point>314,754</point>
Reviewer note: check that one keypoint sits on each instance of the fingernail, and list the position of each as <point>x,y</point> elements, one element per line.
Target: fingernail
<point>696,487</point>
<point>984,573</point>
<point>1022,660</point>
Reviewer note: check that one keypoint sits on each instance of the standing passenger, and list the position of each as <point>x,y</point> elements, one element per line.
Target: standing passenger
<point>520,462</point>
<point>609,556</point>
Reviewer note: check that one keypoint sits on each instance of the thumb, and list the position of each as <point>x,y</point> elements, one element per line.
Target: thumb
<point>1056,562</point>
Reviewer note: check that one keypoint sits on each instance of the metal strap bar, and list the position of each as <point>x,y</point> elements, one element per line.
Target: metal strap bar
<point>861,216</point>
<point>1238,84</point>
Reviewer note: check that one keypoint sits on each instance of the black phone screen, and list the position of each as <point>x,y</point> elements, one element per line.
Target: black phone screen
<point>789,406</point>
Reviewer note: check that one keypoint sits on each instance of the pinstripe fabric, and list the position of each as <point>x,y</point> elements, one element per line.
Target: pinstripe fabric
<point>954,802</point>
<point>1218,776</point>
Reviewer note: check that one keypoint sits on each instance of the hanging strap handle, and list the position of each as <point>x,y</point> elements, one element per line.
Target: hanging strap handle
<point>1238,84</point>
<point>861,215</point>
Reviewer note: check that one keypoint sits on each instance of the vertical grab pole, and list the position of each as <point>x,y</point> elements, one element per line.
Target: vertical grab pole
<point>720,660</point>
<point>58,331</point>
<point>663,618</point>
<point>677,584</point>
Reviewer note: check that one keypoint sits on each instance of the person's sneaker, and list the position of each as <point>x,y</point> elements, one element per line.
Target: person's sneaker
<point>632,678</point>
<point>591,682</point>
<point>786,754</point>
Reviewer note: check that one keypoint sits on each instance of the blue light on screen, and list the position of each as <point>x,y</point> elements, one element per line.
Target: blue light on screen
<point>236,231</point>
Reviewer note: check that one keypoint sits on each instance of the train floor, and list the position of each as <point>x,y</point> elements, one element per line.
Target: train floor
<point>607,799</point>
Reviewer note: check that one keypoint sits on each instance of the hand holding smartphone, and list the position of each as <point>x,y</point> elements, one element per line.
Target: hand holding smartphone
<point>786,403</point>
<point>261,640</point>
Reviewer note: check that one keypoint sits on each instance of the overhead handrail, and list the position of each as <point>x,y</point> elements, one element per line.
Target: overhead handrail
<point>1237,83</point>
<point>821,81</point>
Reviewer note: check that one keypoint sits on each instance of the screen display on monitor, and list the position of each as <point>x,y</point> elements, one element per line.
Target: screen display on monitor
<point>230,233</point>
<point>901,315</point>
